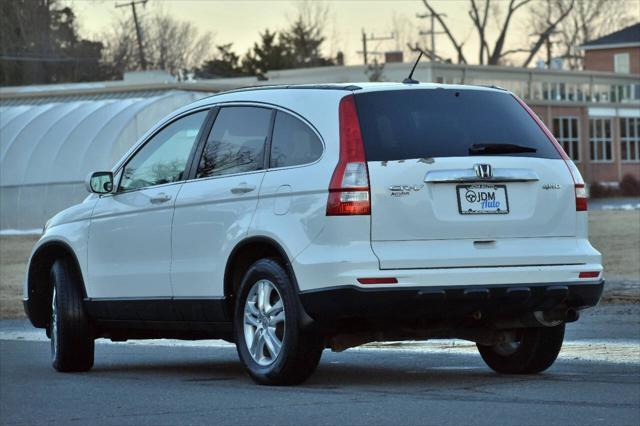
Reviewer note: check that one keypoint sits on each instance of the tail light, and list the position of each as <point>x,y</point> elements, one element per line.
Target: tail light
<point>581,198</point>
<point>349,187</point>
<point>578,182</point>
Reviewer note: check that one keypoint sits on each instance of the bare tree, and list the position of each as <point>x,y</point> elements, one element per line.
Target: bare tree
<point>479,14</point>
<point>588,20</point>
<point>457,45</point>
<point>119,44</point>
<point>480,11</point>
<point>547,15</point>
<point>172,45</point>
<point>169,44</point>
<point>500,14</point>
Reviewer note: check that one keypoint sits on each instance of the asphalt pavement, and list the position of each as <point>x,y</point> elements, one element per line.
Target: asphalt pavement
<point>595,381</point>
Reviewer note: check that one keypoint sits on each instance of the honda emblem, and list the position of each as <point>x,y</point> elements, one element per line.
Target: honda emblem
<point>483,171</point>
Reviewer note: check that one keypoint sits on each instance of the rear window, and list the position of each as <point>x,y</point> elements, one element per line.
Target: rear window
<point>407,124</point>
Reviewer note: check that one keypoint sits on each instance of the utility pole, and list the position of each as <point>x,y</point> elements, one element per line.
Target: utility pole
<point>432,30</point>
<point>143,62</point>
<point>366,39</point>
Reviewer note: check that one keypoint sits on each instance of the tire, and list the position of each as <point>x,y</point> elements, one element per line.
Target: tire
<point>260,326</point>
<point>72,342</point>
<point>536,350</point>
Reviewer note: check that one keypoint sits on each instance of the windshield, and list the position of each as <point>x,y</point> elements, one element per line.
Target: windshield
<point>407,124</point>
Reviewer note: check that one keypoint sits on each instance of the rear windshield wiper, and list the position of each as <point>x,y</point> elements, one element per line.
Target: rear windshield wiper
<point>498,148</point>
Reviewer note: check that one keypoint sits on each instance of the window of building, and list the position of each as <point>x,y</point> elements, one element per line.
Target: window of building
<point>565,129</point>
<point>602,93</point>
<point>629,92</point>
<point>621,63</point>
<point>600,139</point>
<point>630,139</point>
<point>236,142</point>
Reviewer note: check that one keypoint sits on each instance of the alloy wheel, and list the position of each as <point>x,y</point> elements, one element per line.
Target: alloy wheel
<point>264,322</point>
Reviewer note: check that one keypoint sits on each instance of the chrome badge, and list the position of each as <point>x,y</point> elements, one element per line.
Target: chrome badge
<point>483,171</point>
<point>401,190</point>
<point>551,186</point>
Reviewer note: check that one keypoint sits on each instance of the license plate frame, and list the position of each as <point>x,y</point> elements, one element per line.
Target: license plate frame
<point>472,187</point>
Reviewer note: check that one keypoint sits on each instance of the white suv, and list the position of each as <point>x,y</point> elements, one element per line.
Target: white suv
<point>298,218</point>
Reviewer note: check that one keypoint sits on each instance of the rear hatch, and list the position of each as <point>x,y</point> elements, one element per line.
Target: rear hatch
<point>460,164</point>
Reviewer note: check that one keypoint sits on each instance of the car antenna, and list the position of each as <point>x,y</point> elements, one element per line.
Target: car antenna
<point>410,80</point>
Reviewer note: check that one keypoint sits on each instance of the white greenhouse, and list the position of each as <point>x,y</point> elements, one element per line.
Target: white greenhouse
<point>50,140</point>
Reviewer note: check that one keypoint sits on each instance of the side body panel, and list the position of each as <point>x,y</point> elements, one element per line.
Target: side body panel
<point>130,244</point>
<point>293,200</point>
<point>71,227</point>
<point>209,220</point>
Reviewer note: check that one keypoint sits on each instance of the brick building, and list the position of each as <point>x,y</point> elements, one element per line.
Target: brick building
<point>617,52</point>
<point>614,133</point>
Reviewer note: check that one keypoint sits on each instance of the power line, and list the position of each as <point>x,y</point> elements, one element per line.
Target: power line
<point>19,58</point>
<point>143,62</point>
<point>432,30</point>
<point>366,39</point>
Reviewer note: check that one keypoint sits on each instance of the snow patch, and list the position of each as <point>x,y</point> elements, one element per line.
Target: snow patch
<point>14,232</point>
<point>621,207</point>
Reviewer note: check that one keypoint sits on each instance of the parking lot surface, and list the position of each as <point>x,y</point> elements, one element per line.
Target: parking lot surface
<point>595,381</point>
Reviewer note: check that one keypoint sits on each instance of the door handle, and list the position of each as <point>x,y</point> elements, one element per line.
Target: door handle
<point>160,198</point>
<point>243,188</point>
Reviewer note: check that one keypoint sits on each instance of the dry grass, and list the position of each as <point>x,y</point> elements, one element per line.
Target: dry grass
<point>615,233</point>
<point>14,252</point>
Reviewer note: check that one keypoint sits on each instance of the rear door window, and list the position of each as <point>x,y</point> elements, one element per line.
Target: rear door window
<point>424,123</point>
<point>236,143</point>
<point>293,142</point>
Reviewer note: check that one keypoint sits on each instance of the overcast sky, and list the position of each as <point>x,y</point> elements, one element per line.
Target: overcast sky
<point>240,21</point>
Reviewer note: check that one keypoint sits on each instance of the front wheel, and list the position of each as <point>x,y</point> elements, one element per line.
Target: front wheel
<point>533,350</point>
<point>72,343</point>
<point>270,342</point>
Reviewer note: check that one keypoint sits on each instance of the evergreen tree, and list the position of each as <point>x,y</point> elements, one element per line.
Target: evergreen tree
<point>40,45</point>
<point>270,54</point>
<point>225,64</point>
<point>303,41</point>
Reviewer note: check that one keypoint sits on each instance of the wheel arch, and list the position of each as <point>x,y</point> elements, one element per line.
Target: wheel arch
<point>244,254</point>
<point>39,289</point>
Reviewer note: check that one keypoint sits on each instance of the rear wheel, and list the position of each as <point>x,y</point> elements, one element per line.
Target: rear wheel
<point>72,343</point>
<point>533,350</point>
<point>271,344</point>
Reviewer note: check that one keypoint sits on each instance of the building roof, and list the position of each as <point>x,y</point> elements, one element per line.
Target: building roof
<point>629,36</point>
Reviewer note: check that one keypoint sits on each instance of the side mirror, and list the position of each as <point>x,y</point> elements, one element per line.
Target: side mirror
<point>100,182</point>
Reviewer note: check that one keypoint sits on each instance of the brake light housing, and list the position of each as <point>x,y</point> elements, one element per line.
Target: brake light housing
<point>578,183</point>
<point>349,192</point>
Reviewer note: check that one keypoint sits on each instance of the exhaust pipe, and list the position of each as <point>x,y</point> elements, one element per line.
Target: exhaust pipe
<point>572,315</point>
<point>540,318</point>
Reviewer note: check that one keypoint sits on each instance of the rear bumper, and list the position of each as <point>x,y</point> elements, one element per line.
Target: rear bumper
<point>338,304</point>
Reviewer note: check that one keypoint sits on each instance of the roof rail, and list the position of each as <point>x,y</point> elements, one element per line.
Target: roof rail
<point>349,87</point>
